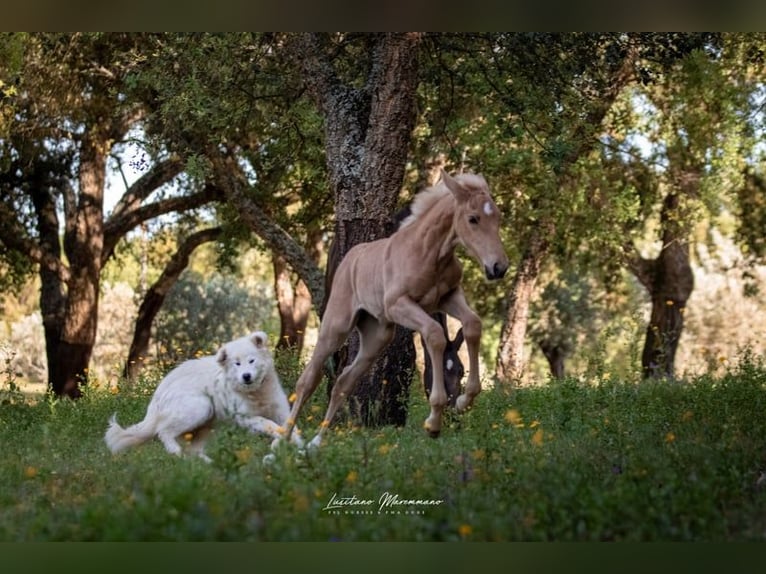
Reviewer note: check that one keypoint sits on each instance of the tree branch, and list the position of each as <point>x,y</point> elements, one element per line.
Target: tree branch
<point>117,227</point>
<point>235,186</point>
<point>642,268</point>
<point>157,176</point>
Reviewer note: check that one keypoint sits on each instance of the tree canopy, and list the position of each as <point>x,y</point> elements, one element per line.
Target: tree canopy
<point>607,152</point>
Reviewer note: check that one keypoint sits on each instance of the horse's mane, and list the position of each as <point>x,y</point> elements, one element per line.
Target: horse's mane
<point>426,199</point>
<point>423,201</point>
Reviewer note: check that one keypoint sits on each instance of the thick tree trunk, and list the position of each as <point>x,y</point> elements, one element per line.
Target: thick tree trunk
<point>510,357</point>
<point>670,282</point>
<point>83,243</point>
<point>155,297</point>
<point>52,295</point>
<point>368,133</point>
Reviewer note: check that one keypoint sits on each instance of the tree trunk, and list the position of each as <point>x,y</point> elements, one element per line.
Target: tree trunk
<point>510,356</point>
<point>368,132</point>
<point>293,305</point>
<point>555,355</point>
<point>670,282</point>
<point>52,295</point>
<point>155,297</point>
<point>83,242</point>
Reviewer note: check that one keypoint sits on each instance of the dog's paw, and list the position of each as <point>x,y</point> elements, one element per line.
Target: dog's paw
<point>297,440</point>
<point>269,459</point>
<point>277,443</point>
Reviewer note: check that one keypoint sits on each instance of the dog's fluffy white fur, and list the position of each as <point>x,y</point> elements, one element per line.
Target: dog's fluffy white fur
<point>238,383</point>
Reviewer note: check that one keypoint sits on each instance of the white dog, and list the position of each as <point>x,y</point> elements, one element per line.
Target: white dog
<point>238,383</point>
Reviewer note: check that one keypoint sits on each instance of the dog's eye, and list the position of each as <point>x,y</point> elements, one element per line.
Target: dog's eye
<point>251,361</point>
<point>237,363</point>
<point>473,219</point>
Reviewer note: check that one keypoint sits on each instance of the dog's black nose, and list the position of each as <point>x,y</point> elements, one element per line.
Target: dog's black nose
<point>247,378</point>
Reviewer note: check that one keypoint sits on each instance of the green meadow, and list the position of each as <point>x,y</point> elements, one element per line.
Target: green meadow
<point>573,460</point>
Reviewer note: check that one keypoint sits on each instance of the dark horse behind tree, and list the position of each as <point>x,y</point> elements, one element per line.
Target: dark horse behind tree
<point>403,279</point>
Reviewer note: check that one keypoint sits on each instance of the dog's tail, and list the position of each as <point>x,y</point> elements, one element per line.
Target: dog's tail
<point>118,438</point>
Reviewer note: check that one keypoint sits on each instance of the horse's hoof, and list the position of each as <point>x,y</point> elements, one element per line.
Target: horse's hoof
<point>462,404</point>
<point>434,433</point>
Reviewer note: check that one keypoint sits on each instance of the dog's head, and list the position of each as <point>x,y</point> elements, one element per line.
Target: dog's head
<point>246,361</point>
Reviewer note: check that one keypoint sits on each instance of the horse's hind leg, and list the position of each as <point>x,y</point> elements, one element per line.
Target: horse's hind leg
<point>332,334</point>
<point>373,337</point>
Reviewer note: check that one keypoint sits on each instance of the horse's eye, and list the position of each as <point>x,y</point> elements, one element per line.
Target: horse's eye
<point>473,219</point>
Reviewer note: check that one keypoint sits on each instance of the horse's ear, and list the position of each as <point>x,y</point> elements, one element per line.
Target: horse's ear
<point>460,192</point>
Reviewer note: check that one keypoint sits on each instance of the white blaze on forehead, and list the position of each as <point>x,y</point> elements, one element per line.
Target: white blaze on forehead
<point>488,208</point>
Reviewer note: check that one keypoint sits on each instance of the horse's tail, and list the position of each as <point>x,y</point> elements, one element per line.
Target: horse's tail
<point>118,438</point>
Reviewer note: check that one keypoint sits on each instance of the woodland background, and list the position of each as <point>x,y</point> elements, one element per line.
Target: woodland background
<point>162,193</point>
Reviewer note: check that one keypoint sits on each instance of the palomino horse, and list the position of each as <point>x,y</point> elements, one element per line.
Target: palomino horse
<point>403,279</point>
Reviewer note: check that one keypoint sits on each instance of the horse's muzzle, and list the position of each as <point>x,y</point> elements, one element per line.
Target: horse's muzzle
<point>497,271</point>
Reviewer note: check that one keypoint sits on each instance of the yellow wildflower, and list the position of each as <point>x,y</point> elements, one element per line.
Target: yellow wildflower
<point>30,472</point>
<point>243,454</point>
<point>537,438</point>
<point>512,416</point>
<point>352,476</point>
<point>292,398</point>
<point>300,502</point>
<point>465,530</point>
<point>670,437</point>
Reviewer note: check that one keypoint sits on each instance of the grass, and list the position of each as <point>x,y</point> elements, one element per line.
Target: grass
<point>570,461</point>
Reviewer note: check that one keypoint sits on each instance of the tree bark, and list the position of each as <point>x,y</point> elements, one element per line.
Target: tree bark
<point>510,357</point>
<point>367,133</point>
<point>670,281</point>
<point>83,243</point>
<point>293,306</point>
<point>155,297</point>
<point>52,294</point>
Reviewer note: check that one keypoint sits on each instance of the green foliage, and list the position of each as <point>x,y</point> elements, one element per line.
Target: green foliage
<point>200,313</point>
<point>577,460</point>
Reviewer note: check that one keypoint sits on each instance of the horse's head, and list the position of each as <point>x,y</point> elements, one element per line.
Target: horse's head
<point>477,222</point>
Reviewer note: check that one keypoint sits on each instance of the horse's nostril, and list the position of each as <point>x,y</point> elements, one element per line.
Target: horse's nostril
<point>496,272</point>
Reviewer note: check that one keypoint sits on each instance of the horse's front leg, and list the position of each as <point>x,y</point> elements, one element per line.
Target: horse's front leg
<point>456,306</point>
<point>409,314</point>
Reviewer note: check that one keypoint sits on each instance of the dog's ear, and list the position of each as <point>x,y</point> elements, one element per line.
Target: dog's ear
<point>222,356</point>
<point>259,338</point>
